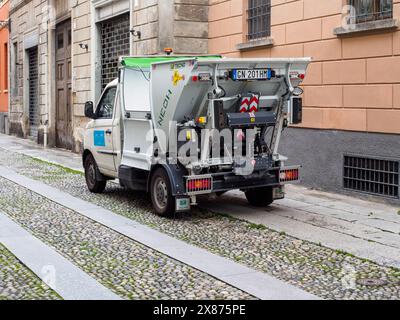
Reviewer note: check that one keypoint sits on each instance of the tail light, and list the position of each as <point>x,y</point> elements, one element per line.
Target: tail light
<point>289,175</point>
<point>198,185</point>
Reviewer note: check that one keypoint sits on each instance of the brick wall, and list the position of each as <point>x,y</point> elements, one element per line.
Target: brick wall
<point>353,83</point>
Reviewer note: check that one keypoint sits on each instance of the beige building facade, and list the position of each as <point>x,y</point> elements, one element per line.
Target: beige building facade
<point>64,52</point>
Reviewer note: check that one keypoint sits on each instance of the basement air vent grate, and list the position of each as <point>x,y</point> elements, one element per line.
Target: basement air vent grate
<point>373,176</point>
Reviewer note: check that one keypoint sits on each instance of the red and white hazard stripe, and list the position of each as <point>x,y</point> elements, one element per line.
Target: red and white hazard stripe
<point>253,107</point>
<point>244,106</point>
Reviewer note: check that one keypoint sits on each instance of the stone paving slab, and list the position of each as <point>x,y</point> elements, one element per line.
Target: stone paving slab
<point>359,229</point>
<point>316,223</point>
<point>18,282</point>
<point>57,156</point>
<point>70,282</point>
<point>253,282</point>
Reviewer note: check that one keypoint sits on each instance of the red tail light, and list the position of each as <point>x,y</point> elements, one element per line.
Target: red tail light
<point>289,175</point>
<point>199,185</point>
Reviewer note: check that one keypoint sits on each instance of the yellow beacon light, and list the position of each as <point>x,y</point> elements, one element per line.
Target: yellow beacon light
<point>202,120</point>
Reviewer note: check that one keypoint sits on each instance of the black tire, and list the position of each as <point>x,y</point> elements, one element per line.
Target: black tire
<point>260,197</point>
<point>161,194</point>
<point>94,181</point>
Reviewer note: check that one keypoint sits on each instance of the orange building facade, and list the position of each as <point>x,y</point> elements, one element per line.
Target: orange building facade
<point>350,136</point>
<point>4,85</point>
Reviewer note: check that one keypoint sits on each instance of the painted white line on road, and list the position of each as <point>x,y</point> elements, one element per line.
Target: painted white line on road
<point>70,282</point>
<point>256,283</point>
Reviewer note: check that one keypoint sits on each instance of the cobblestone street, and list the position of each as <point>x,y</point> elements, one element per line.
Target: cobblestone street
<point>18,283</point>
<point>137,272</point>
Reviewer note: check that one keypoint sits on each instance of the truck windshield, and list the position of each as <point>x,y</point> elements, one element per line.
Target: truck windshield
<point>137,89</point>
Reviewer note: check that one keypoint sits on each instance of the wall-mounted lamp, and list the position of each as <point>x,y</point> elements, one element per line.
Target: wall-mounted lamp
<point>3,23</point>
<point>136,33</point>
<point>84,46</point>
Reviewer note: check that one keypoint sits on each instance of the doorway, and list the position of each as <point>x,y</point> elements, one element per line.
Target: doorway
<point>64,133</point>
<point>33,82</point>
<point>115,42</point>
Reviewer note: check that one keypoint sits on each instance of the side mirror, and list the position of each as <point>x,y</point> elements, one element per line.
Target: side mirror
<point>89,110</point>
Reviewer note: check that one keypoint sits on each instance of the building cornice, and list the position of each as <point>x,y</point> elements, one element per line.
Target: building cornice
<point>2,3</point>
<point>15,8</point>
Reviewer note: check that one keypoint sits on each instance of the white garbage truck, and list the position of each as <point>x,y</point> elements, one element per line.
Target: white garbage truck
<point>179,127</point>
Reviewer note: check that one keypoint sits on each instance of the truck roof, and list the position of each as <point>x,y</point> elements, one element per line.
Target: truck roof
<point>145,62</point>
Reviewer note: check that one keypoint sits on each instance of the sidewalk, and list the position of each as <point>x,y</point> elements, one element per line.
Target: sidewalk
<point>363,228</point>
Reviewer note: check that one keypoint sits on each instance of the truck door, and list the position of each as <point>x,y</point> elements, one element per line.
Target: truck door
<point>103,131</point>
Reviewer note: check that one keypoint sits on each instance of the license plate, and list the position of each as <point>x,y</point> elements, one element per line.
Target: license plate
<point>182,204</point>
<point>279,193</point>
<point>254,74</point>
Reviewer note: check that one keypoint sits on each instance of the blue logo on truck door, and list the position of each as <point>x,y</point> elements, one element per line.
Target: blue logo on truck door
<point>99,139</point>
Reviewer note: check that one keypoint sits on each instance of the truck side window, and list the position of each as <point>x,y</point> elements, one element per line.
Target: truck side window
<point>105,108</point>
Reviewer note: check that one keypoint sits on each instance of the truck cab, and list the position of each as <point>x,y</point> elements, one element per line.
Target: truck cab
<point>178,127</point>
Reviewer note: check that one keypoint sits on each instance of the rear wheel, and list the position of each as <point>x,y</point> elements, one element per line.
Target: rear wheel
<point>94,181</point>
<point>161,195</point>
<point>260,197</point>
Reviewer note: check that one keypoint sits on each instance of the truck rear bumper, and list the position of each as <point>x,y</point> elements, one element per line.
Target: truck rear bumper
<point>231,181</point>
<point>226,181</point>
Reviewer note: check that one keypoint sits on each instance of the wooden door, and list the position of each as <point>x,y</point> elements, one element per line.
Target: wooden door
<point>64,132</point>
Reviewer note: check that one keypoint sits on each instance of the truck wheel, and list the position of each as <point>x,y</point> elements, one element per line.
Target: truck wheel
<point>92,174</point>
<point>260,197</point>
<point>161,195</point>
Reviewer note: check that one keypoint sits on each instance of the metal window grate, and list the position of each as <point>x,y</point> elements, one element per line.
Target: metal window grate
<point>114,43</point>
<point>373,176</point>
<point>371,10</point>
<point>33,92</point>
<point>259,19</point>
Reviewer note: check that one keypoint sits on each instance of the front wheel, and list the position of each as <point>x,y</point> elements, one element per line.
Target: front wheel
<point>94,181</point>
<point>161,195</point>
<point>260,197</point>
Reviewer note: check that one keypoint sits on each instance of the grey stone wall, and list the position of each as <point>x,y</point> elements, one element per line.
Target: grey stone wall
<point>191,26</point>
<point>28,26</point>
<point>321,153</point>
<point>146,21</point>
<point>178,24</point>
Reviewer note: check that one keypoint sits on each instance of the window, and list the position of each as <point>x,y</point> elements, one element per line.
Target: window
<point>60,41</point>
<point>258,19</point>
<point>372,10</point>
<point>137,98</point>
<point>106,106</point>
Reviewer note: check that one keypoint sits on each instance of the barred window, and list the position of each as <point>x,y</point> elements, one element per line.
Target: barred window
<point>372,10</point>
<point>259,19</point>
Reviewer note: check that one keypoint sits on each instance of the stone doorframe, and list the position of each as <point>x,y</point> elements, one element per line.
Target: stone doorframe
<point>60,16</point>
